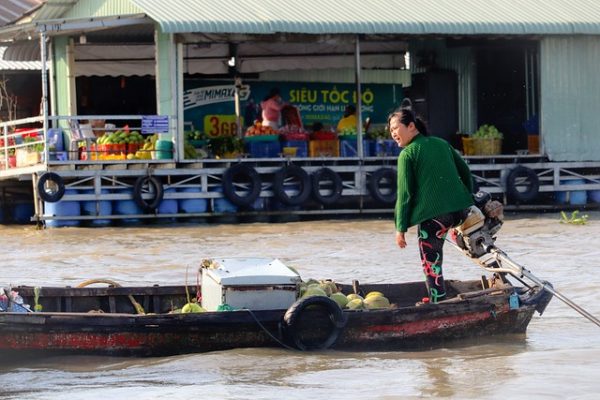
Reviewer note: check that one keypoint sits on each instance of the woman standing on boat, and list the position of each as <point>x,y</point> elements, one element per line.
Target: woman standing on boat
<point>434,192</point>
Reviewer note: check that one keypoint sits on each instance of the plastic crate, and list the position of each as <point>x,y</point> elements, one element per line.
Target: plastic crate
<point>324,148</point>
<point>348,148</point>
<point>300,145</point>
<point>263,149</point>
<point>383,148</point>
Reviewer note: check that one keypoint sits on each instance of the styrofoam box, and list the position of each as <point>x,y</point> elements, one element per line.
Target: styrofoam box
<point>252,283</point>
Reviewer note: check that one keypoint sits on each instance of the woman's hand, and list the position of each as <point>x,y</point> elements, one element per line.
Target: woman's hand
<point>400,240</point>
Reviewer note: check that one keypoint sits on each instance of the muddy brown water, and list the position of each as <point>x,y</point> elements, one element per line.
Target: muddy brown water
<point>559,357</point>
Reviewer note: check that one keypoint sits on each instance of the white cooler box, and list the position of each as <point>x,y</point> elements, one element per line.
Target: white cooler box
<point>252,283</point>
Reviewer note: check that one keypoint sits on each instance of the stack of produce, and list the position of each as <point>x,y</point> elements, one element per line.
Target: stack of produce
<point>193,146</point>
<point>118,145</point>
<point>145,152</point>
<point>372,301</point>
<point>258,129</point>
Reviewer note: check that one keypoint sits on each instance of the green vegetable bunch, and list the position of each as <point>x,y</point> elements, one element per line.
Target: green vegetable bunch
<point>488,132</point>
<point>574,219</point>
<point>378,133</point>
<point>35,147</point>
<point>347,131</point>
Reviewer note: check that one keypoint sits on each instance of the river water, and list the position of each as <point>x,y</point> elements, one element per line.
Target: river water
<point>558,358</point>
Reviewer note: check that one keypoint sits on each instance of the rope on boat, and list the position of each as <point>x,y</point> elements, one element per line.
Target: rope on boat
<point>138,307</point>
<point>267,331</point>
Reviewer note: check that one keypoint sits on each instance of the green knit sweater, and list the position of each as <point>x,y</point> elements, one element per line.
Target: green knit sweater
<point>433,179</point>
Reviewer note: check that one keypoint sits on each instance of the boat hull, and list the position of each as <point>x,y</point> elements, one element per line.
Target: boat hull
<point>403,327</point>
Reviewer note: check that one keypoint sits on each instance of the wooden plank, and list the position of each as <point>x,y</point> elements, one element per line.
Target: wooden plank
<point>112,304</point>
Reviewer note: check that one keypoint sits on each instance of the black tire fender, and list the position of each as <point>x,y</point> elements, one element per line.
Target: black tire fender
<point>303,178</point>
<point>229,179</point>
<point>155,187</point>
<point>326,174</point>
<point>533,184</point>
<point>44,193</point>
<point>292,315</point>
<point>374,185</point>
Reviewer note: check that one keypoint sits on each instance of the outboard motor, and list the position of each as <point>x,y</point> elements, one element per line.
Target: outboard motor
<point>477,234</point>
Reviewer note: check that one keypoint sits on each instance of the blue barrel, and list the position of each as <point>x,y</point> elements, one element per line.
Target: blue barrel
<point>574,197</point>
<point>98,208</point>
<point>168,206</point>
<point>192,205</point>
<point>259,204</point>
<point>126,207</point>
<point>222,205</point>
<point>21,213</point>
<point>63,208</point>
<point>594,196</point>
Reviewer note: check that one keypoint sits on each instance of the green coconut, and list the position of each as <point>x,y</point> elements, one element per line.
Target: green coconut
<point>356,304</point>
<point>340,299</point>
<point>374,293</point>
<point>354,296</point>
<point>314,290</point>
<point>192,308</point>
<point>375,302</point>
<point>311,282</point>
<point>329,287</point>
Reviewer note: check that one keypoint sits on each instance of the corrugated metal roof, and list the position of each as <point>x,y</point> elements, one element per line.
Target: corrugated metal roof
<point>18,65</point>
<point>12,10</point>
<point>453,17</point>
<point>53,9</point>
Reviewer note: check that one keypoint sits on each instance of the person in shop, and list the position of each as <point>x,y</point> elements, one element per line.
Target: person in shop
<point>433,192</point>
<point>348,120</point>
<point>271,107</point>
<point>250,113</point>
<point>92,128</point>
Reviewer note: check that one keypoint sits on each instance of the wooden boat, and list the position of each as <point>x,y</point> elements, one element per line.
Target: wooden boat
<point>109,320</point>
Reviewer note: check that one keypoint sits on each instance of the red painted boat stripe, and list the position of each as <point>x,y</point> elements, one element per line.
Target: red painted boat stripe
<point>431,325</point>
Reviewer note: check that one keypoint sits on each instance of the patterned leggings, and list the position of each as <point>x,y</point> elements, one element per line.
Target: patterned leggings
<point>432,233</point>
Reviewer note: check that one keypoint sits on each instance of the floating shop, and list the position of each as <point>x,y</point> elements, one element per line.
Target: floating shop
<point>148,109</point>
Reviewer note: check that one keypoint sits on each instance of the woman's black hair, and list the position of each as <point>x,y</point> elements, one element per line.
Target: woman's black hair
<point>272,93</point>
<point>407,116</point>
<point>350,110</point>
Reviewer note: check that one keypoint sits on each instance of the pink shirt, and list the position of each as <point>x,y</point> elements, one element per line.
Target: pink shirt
<point>271,109</point>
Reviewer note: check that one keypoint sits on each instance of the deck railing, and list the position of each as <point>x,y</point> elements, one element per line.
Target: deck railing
<point>23,142</point>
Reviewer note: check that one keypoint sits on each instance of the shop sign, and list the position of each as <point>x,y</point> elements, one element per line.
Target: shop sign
<point>155,124</point>
<point>220,125</point>
<point>317,102</point>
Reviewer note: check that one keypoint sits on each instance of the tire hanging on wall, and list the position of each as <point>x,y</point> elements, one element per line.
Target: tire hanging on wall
<point>144,185</point>
<point>279,185</point>
<point>375,182</point>
<point>292,322</point>
<point>249,175</point>
<point>522,176</point>
<point>326,174</point>
<point>51,187</point>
